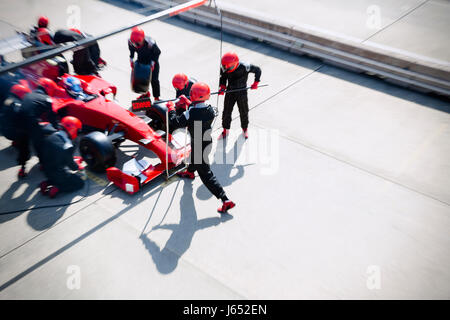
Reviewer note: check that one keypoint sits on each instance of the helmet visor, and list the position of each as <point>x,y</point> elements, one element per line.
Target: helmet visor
<point>227,68</point>
<point>137,44</point>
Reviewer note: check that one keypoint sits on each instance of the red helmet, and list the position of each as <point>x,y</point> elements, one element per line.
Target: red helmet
<point>42,22</point>
<point>72,125</point>
<point>48,85</point>
<point>199,92</point>
<point>43,35</point>
<point>20,90</point>
<point>137,36</point>
<point>179,81</point>
<point>230,61</point>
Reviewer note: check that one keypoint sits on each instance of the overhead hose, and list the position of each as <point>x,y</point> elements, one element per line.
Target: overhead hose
<point>220,57</point>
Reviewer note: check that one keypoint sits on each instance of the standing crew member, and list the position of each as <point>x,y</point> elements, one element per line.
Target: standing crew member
<point>182,85</point>
<point>234,75</point>
<point>198,118</point>
<point>10,118</point>
<point>147,54</point>
<point>42,22</point>
<point>40,34</point>
<point>58,159</point>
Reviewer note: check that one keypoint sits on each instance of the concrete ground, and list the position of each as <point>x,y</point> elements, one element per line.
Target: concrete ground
<point>417,28</point>
<point>342,190</point>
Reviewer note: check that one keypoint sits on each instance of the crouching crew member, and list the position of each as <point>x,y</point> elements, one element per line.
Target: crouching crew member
<point>10,123</point>
<point>234,75</point>
<point>36,109</point>
<point>148,55</point>
<point>182,85</point>
<point>86,61</point>
<point>198,119</point>
<point>58,160</point>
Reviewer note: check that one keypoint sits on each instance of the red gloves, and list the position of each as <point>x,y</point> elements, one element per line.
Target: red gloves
<point>101,63</point>
<point>131,63</point>
<point>80,162</point>
<point>255,85</point>
<point>170,106</point>
<point>222,90</point>
<point>183,102</point>
<point>153,65</point>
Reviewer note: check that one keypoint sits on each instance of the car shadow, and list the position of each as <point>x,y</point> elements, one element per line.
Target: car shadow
<point>166,258</point>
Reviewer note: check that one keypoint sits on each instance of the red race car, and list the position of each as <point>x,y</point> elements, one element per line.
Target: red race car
<point>109,125</point>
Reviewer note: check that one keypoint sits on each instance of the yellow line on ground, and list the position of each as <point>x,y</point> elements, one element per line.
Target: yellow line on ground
<point>100,181</point>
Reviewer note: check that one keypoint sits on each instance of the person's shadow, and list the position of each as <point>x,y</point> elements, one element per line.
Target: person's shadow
<point>42,212</point>
<point>24,199</point>
<point>166,258</point>
<point>223,165</point>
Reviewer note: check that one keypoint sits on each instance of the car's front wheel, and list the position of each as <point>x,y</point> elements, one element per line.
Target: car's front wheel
<point>98,151</point>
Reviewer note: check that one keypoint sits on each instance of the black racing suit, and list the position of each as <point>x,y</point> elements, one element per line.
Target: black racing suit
<point>237,80</point>
<point>149,52</point>
<point>186,92</point>
<point>187,89</point>
<point>57,159</point>
<point>35,41</point>
<point>10,125</point>
<point>7,80</point>
<point>198,118</point>
<point>85,60</point>
<point>37,107</point>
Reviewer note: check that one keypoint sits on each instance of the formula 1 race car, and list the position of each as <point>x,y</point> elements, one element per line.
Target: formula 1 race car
<point>108,124</point>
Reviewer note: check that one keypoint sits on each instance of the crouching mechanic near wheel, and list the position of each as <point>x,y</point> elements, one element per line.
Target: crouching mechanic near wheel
<point>198,118</point>
<point>37,109</point>
<point>58,160</point>
<point>182,85</point>
<point>10,125</point>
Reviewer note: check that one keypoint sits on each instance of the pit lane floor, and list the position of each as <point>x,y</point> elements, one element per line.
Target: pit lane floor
<point>342,190</point>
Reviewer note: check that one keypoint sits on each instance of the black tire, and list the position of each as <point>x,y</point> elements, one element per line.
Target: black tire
<point>158,121</point>
<point>63,66</point>
<point>157,113</point>
<point>140,77</point>
<point>97,151</point>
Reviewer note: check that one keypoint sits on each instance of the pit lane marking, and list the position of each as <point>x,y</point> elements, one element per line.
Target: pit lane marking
<point>100,181</point>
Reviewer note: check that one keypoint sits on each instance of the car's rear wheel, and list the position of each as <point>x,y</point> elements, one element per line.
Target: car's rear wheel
<point>98,151</point>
